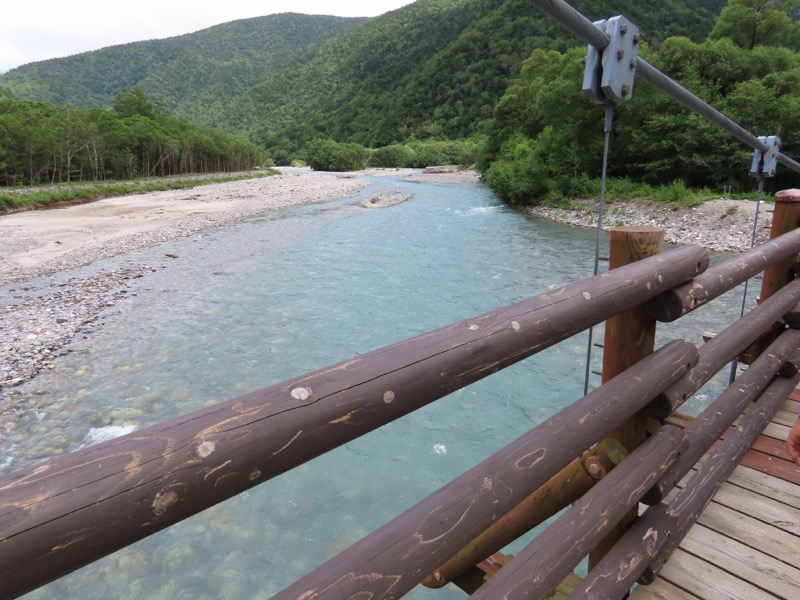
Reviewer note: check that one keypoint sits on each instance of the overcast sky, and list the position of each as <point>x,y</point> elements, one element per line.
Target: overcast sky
<point>55,28</point>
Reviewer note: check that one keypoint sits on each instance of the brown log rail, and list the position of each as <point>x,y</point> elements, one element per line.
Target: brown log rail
<point>67,512</point>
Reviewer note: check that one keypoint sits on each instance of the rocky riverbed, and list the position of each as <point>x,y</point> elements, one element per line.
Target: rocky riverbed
<point>52,289</point>
<point>722,225</point>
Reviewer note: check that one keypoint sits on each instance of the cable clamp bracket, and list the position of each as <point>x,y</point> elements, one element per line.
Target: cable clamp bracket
<point>765,164</point>
<point>609,75</point>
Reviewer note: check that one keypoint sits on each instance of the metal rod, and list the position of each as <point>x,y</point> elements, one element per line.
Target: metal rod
<point>609,119</point>
<point>735,361</point>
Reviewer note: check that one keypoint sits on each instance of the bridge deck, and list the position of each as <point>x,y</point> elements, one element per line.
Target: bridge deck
<point>747,542</point>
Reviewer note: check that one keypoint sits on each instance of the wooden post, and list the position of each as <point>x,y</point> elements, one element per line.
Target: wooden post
<point>785,218</point>
<point>629,337</point>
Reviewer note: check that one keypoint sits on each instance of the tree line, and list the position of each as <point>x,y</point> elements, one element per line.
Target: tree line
<point>44,143</point>
<point>545,138</point>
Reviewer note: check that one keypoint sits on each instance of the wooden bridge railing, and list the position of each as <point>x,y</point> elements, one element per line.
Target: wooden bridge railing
<point>62,514</point>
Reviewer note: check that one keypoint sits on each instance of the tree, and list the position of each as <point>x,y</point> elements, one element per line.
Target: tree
<point>133,102</point>
<point>750,23</point>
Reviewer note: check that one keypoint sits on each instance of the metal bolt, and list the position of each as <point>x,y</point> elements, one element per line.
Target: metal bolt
<point>623,29</point>
<point>636,39</point>
<point>620,54</point>
<point>632,64</point>
<point>594,467</point>
<point>626,90</point>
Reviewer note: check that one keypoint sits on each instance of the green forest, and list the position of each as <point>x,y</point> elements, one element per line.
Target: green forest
<point>46,143</point>
<point>487,82</point>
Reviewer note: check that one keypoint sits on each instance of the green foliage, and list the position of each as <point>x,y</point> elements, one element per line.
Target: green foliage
<point>750,23</point>
<point>196,76</point>
<point>397,155</point>
<point>518,175</point>
<point>43,143</point>
<point>654,139</point>
<point>329,155</point>
<point>28,198</point>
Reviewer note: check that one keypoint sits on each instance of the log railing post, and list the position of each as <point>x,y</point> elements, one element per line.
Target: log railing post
<point>785,218</point>
<point>629,337</point>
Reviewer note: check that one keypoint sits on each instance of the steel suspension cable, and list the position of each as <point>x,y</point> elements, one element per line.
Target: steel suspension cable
<point>607,142</point>
<point>735,361</point>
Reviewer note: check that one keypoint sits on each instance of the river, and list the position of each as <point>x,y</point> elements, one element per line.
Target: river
<point>250,305</point>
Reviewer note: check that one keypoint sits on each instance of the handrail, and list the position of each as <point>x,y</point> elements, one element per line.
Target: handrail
<point>717,280</point>
<point>583,28</point>
<point>543,563</point>
<point>721,413</point>
<point>396,557</point>
<point>644,547</point>
<point>730,342</point>
<point>55,517</point>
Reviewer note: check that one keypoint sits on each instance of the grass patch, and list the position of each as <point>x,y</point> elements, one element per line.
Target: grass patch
<point>675,193</point>
<point>43,196</point>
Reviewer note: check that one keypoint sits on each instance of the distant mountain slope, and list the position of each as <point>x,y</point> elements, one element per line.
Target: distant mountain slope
<point>194,75</point>
<point>435,67</point>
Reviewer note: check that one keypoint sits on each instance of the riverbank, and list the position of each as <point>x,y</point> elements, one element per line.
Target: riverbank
<point>722,225</point>
<point>45,303</point>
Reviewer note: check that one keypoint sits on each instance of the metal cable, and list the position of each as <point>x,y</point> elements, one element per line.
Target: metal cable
<point>582,27</point>
<point>607,134</point>
<point>735,361</point>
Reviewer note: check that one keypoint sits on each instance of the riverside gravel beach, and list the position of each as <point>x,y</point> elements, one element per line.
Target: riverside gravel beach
<point>40,313</point>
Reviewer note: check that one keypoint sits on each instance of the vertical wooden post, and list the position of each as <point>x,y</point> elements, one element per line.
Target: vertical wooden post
<point>629,337</point>
<point>785,218</point>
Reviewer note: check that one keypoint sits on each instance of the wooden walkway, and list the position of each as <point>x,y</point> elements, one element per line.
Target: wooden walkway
<point>746,545</point>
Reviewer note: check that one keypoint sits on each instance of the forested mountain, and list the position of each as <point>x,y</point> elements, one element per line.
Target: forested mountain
<point>432,68</point>
<point>194,76</point>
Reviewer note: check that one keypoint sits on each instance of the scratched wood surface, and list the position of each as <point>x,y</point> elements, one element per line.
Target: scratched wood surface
<point>746,543</point>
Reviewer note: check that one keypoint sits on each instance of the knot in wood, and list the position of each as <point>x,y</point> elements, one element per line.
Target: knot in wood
<point>163,501</point>
<point>301,393</point>
<point>205,449</point>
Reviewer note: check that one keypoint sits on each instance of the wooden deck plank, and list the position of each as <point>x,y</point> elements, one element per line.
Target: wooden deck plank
<point>791,405</point>
<point>745,562</point>
<point>661,590</point>
<point>777,431</point>
<point>746,543</point>
<point>767,445</point>
<point>784,417</point>
<point>769,465</point>
<point>747,530</point>
<point>705,580</point>
<point>750,503</point>
<point>779,489</point>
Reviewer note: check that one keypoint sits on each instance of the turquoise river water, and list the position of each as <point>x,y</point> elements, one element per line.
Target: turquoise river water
<point>250,305</point>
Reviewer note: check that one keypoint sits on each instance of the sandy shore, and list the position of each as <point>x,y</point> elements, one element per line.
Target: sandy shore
<point>39,317</point>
